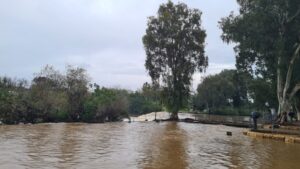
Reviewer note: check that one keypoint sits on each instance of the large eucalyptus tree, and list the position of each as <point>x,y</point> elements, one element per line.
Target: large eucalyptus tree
<point>174,44</point>
<point>266,34</point>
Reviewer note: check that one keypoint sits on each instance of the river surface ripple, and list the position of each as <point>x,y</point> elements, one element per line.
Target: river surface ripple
<point>140,145</point>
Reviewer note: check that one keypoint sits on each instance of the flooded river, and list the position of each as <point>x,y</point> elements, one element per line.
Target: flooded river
<point>140,145</point>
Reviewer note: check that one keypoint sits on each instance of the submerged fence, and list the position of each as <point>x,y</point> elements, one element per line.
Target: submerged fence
<point>209,118</point>
<point>246,120</point>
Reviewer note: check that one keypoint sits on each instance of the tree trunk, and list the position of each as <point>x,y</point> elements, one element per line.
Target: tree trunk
<point>297,111</point>
<point>174,116</point>
<point>285,105</point>
<point>279,86</point>
<point>285,97</point>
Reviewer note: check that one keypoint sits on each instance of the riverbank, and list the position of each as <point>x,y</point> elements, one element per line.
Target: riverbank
<point>287,137</point>
<point>289,133</point>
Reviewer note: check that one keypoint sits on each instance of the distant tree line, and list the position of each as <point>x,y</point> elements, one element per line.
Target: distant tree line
<point>56,97</point>
<point>233,93</point>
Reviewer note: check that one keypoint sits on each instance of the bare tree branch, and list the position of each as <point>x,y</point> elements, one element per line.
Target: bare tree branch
<point>295,90</point>
<point>294,16</point>
<point>279,81</point>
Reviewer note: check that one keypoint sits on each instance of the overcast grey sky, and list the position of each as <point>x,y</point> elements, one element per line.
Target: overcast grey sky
<point>102,36</point>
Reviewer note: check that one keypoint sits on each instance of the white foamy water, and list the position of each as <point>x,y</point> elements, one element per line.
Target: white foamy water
<point>160,116</point>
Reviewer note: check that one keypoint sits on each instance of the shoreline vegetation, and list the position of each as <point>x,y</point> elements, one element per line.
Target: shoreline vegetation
<point>53,96</point>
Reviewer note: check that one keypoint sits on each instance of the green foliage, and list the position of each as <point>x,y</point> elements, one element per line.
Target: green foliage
<point>227,88</point>
<point>266,34</point>
<point>14,101</point>
<point>106,105</point>
<point>232,111</point>
<point>262,92</point>
<point>77,89</point>
<point>146,100</point>
<point>56,97</point>
<point>263,30</point>
<point>48,94</point>
<point>140,104</point>
<point>174,45</point>
<point>58,116</point>
<point>233,93</point>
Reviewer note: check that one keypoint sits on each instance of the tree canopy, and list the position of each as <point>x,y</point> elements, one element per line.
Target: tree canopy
<point>266,34</point>
<point>226,89</point>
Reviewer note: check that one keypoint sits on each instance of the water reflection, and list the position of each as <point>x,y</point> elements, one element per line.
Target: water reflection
<point>69,145</point>
<point>36,151</point>
<point>168,149</point>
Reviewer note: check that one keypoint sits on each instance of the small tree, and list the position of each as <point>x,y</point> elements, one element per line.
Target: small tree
<point>14,101</point>
<point>146,100</point>
<point>106,104</point>
<point>174,45</point>
<point>48,93</point>
<point>77,89</point>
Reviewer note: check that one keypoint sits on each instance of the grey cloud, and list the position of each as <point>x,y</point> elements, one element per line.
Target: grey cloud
<point>103,36</point>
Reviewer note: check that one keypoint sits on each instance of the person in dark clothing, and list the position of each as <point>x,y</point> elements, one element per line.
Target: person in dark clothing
<point>292,115</point>
<point>255,116</point>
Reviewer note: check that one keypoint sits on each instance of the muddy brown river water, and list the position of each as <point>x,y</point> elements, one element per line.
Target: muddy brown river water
<point>140,145</point>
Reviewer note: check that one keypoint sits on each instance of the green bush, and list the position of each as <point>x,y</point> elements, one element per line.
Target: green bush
<point>140,104</point>
<point>106,105</point>
<point>231,111</point>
